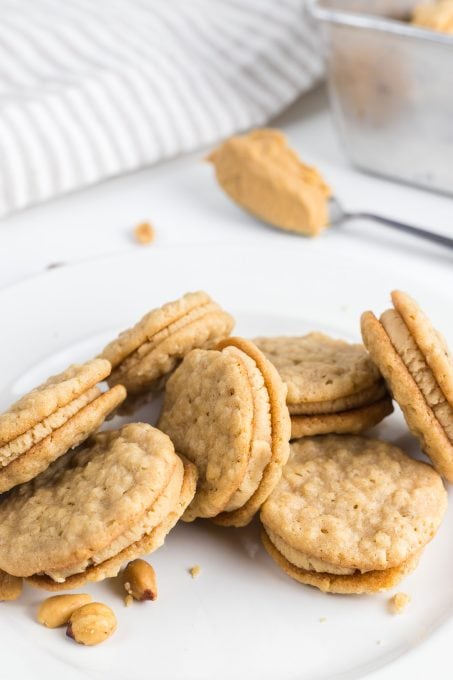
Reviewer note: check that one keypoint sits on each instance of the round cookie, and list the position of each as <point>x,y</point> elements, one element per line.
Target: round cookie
<point>53,418</point>
<point>143,356</point>
<point>280,434</point>
<point>144,546</point>
<point>323,375</point>
<point>415,362</point>
<point>90,506</point>
<point>225,410</point>
<point>333,386</point>
<point>352,506</point>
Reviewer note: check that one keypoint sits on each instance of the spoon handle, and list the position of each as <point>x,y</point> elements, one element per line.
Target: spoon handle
<point>401,226</point>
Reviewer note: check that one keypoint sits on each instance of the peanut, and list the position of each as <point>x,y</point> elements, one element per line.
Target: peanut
<point>56,611</point>
<point>10,586</point>
<point>139,580</point>
<point>91,624</point>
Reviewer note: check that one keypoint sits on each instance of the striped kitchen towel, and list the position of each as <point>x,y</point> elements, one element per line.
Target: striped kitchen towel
<point>89,90</point>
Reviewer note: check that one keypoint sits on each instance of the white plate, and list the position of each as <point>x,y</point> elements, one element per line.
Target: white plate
<point>242,618</point>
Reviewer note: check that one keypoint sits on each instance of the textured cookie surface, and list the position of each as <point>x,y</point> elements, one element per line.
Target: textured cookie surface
<point>74,430</point>
<point>420,418</point>
<point>304,561</point>
<point>144,546</point>
<point>138,527</point>
<point>208,413</point>
<point>19,445</point>
<point>418,368</point>
<point>323,375</point>
<point>201,328</point>
<point>355,502</point>
<point>142,355</point>
<point>260,451</point>
<point>280,432</point>
<point>430,342</point>
<point>348,584</point>
<point>354,421</point>
<point>57,392</point>
<point>153,322</point>
<point>80,505</point>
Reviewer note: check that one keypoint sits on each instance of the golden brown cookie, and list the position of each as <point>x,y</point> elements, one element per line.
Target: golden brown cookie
<point>333,386</point>
<point>347,506</point>
<point>144,355</point>
<point>53,418</point>
<point>146,545</point>
<point>262,174</point>
<point>418,368</point>
<point>355,421</point>
<point>89,507</point>
<point>343,584</point>
<point>225,410</point>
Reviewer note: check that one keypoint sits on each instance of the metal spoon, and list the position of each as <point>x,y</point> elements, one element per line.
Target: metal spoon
<point>338,215</point>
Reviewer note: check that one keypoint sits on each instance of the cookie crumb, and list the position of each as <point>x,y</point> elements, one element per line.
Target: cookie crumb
<point>322,619</point>
<point>195,571</point>
<point>128,600</point>
<point>379,642</point>
<point>144,233</point>
<point>399,602</point>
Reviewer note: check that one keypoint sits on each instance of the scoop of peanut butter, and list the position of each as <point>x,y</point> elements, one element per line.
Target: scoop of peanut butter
<point>262,174</point>
<point>438,16</point>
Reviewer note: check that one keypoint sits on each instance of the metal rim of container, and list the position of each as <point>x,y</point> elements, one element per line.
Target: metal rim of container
<point>371,21</point>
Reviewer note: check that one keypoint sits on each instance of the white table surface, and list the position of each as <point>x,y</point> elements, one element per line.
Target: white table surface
<point>181,199</point>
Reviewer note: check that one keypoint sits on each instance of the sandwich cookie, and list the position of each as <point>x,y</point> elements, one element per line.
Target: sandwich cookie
<point>350,514</point>
<point>113,500</point>
<point>418,367</point>
<point>225,410</point>
<point>333,386</point>
<point>144,355</point>
<point>53,418</point>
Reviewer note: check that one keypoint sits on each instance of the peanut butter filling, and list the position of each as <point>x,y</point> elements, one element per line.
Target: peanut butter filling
<point>417,366</point>
<point>155,515</point>
<point>40,431</point>
<point>261,173</point>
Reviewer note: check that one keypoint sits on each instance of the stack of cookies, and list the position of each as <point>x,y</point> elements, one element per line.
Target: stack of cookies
<point>414,359</point>
<point>225,410</point>
<point>340,512</point>
<point>350,514</point>
<point>106,503</point>
<point>142,357</point>
<point>333,386</point>
<point>73,516</point>
<point>53,418</point>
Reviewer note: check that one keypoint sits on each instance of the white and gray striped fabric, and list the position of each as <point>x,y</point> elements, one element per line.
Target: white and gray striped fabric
<point>94,88</point>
